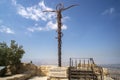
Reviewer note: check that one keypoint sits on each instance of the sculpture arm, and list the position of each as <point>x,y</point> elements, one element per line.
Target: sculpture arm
<point>49,11</point>
<point>69,7</point>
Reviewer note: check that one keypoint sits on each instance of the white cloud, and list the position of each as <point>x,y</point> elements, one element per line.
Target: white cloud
<point>32,29</point>
<point>49,26</point>
<point>4,29</point>
<point>53,26</point>
<point>36,13</point>
<point>64,19</point>
<point>108,11</point>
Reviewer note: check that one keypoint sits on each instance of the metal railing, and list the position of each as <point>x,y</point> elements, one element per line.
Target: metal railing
<point>85,66</point>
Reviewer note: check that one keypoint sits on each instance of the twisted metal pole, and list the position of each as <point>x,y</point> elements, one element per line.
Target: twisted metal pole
<point>59,9</point>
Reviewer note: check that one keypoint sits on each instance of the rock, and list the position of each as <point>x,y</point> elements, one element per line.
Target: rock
<point>2,72</point>
<point>9,70</point>
<point>43,70</point>
<point>105,71</point>
<point>27,68</point>
<point>24,72</point>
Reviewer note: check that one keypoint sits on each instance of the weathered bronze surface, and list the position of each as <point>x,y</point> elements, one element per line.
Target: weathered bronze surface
<point>59,9</point>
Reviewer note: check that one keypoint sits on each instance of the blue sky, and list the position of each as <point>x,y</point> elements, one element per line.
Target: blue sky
<point>91,29</point>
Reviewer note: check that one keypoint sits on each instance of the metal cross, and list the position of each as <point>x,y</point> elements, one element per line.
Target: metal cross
<point>59,9</point>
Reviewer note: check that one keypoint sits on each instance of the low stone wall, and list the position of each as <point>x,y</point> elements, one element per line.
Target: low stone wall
<point>25,71</point>
<point>28,70</point>
<point>43,70</point>
<point>27,67</point>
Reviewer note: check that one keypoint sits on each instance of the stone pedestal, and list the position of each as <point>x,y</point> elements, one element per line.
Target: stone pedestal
<point>58,73</point>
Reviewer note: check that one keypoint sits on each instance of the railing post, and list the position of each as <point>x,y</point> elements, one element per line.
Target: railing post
<point>84,63</point>
<point>69,72</point>
<point>88,66</point>
<point>76,63</point>
<point>70,62</point>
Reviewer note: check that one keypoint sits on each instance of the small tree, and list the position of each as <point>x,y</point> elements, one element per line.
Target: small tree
<point>3,54</point>
<point>16,53</point>
<point>10,55</point>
